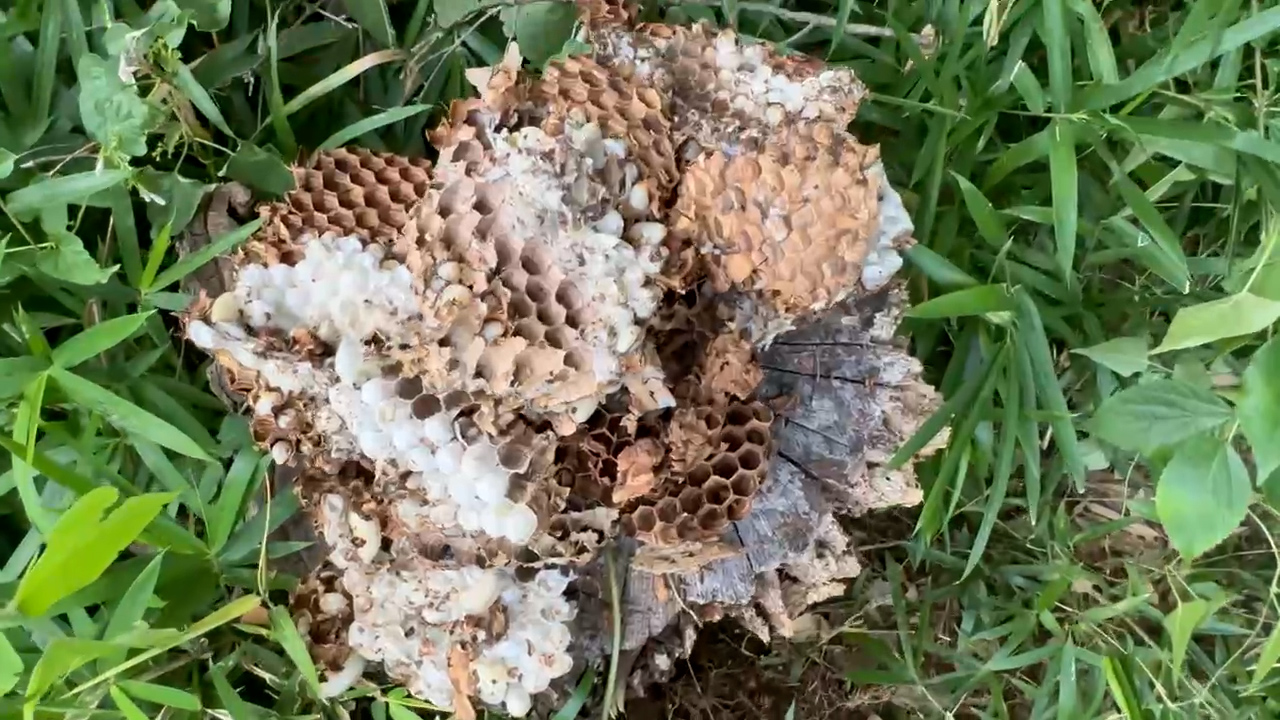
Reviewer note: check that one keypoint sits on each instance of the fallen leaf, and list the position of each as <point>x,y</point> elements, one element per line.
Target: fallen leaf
<point>463,687</point>
<point>635,470</point>
<point>256,616</point>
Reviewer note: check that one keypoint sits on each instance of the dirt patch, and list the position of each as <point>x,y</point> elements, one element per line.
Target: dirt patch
<point>732,674</point>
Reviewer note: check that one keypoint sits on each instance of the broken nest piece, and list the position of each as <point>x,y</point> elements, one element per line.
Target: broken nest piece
<point>639,307</point>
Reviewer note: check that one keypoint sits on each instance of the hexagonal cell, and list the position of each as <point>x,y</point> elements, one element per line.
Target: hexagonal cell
<point>367,218</point>
<point>564,477</point>
<point>530,329</point>
<point>668,510</point>
<point>587,487</point>
<point>561,337</point>
<point>327,202</point>
<point>363,176</point>
<point>646,519</point>
<point>717,491</point>
<point>514,455</point>
<point>456,399</point>
<point>763,413</point>
<point>667,534</point>
<point>351,198</point>
<point>712,518</point>
<point>559,527</point>
<point>738,509</point>
<point>690,500</point>
<point>537,289</point>
<point>757,436</point>
<point>738,415</point>
<point>551,314</point>
<point>518,488</point>
<point>712,420</point>
<point>750,458</point>
<point>733,438</point>
<point>521,306</point>
<point>535,260</point>
<point>568,295</point>
<point>687,529</point>
<point>575,318</point>
<point>424,406</point>
<point>514,279</point>
<point>628,525</point>
<point>724,465</point>
<point>699,474</point>
<point>408,388</point>
<point>744,484</point>
<point>579,360</point>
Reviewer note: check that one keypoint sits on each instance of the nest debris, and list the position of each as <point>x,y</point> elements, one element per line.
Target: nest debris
<point>571,334</point>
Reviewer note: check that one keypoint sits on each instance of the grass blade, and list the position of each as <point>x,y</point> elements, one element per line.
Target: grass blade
<point>341,77</point>
<point>1036,344</point>
<point>126,416</point>
<point>1065,188</point>
<point>369,124</point>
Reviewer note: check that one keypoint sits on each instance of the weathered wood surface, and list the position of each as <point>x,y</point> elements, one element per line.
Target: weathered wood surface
<point>854,396</point>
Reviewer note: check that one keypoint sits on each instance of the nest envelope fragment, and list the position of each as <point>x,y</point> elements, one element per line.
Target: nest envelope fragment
<point>569,336</point>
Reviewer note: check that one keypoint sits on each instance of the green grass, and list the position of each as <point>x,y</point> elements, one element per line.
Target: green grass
<point>1095,188</point>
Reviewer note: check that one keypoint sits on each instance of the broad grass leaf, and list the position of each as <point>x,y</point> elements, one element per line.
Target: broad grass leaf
<point>1124,356</point>
<point>1203,494</point>
<point>226,511</point>
<point>97,339</point>
<point>83,544</point>
<point>970,301</point>
<point>1178,61</point>
<point>286,633</point>
<point>1120,683</point>
<point>400,712</point>
<point>1259,408</point>
<point>990,225</point>
<point>190,263</point>
<point>164,532</point>
<point>223,615</point>
<point>69,261</point>
<point>340,77</point>
<point>6,163</point>
<point>1267,657</point>
<point>128,612</point>
<point>540,28</point>
<point>207,15</point>
<point>1158,414</point>
<point>172,201</point>
<point>1035,343</point>
<point>369,124</point>
<point>125,415</point>
<point>161,694</point>
<point>374,18</point>
<point>127,707</point>
<point>1064,182</point>
<point>1181,624</point>
<point>452,12</point>
<point>259,169</point>
<point>17,372</point>
<point>11,666</point>
<point>232,703</point>
<point>1241,314</point>
<point>61,657</point>
<point>72,189</point>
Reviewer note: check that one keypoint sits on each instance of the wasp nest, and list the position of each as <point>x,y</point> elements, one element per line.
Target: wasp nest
<point>486,370</point>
